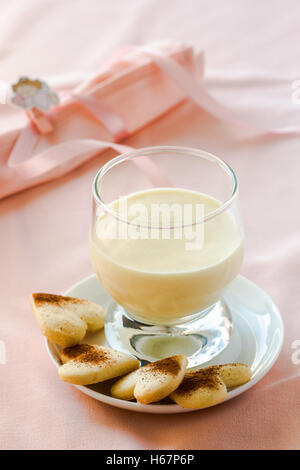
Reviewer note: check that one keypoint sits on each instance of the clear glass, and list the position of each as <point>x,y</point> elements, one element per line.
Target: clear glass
<point>166,239</point>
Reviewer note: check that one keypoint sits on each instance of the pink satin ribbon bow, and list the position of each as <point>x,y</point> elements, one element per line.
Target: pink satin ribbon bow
<point>78,150</point>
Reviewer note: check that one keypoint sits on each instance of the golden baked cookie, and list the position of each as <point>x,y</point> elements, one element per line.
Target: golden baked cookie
<point>73,352</point>
<point>87,364</point>
<point>208,386</point>
<point>234,375</point>
<point>200,389</point>
<point>153,382</point>
<point>157,380</point>
<point>124,387</point>
<point>65,320</point>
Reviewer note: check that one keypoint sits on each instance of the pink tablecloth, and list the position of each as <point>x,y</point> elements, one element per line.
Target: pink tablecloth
<point>252,60</point>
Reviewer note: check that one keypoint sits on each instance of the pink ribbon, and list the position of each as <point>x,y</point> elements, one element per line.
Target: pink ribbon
<point>82,149</point>
<point>198,93</point>
<point>29,136</point>
<point>113,123</point>
<point>24,145</point>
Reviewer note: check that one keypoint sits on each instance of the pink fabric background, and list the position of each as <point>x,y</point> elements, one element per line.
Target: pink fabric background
<point>253,56</point>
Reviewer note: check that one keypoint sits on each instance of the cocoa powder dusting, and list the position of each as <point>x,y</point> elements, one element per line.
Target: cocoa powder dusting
<point>95,357</point>
<point>41,298</point>
<point>168,366</point>
<point>192,381</point>
<point>74,351</point>
<point>87,354</point>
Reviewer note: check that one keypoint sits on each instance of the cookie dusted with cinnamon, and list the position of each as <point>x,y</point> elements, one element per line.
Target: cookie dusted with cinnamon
<point>87,364</point>
<point>157,380</point>
<point>200,389</point>
<point>124,387</point>
<point>206,387</point>
<point>153,382</point>
<point>65,320</point>
<point>234,375</point>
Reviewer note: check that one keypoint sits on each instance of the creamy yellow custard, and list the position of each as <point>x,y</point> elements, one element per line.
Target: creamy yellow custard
<point>164,280</point>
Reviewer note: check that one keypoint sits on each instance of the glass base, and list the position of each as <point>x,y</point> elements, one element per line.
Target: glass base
<point>200,339</point>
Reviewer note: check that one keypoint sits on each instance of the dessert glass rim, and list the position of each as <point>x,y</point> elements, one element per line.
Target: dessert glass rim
<point>143,152</point>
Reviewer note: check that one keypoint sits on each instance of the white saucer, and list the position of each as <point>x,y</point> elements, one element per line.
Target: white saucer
<point>256,339</point>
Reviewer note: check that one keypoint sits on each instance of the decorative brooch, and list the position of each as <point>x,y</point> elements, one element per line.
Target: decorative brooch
<point>35,97</point>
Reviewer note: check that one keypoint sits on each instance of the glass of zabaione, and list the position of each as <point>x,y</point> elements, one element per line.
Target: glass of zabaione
<point>166,239</point>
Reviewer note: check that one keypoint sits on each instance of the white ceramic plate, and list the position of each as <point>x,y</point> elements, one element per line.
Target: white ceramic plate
<point>256,339</point>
